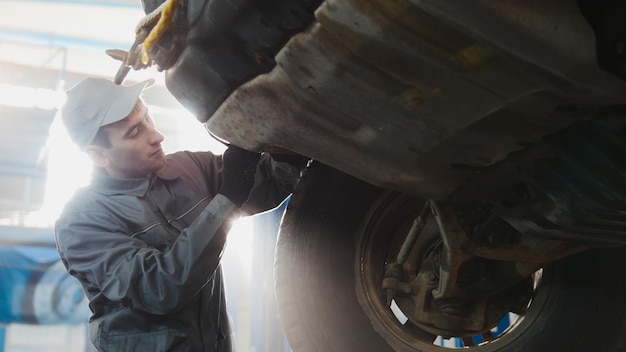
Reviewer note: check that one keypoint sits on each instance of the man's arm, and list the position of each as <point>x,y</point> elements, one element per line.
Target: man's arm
<point>99,251</point>
<point>128,271</point>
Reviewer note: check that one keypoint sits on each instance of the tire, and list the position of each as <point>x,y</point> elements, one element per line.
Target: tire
<point>227,44</point>
<point>326,259</point>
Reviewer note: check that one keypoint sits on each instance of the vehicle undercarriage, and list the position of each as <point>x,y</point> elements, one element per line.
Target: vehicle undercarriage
<point>468,161</point>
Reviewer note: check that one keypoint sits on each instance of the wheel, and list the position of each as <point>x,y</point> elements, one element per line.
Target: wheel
<point>337,235</point>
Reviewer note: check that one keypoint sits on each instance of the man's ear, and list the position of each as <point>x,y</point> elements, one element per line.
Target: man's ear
<point>97,155</point>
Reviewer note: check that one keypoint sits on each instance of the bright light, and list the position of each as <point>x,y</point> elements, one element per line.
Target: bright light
<point>68,170</point>
<point>239,246</point>
<point>28,97</point>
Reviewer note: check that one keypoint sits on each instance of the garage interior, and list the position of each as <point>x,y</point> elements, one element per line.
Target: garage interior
<point>45,48</point>
<point>552,79</point>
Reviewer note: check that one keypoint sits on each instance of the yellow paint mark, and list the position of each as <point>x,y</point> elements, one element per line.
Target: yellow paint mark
<point>472,57</point>
<point>409,97</point>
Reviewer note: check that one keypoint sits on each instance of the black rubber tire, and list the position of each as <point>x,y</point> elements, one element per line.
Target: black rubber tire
<point>229,43</point>
<point>579,305</point>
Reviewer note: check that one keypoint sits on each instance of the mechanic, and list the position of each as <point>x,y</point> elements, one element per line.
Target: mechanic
<point>145,238</point>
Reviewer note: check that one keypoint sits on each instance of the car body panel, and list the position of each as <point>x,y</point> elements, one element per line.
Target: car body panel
<point>399,93</point>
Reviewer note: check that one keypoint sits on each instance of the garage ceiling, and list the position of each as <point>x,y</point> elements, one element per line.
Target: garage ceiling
<point>53,44</point>
<point>70,35</point>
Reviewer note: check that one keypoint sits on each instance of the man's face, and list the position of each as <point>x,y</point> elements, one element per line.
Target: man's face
<point>135,146</point>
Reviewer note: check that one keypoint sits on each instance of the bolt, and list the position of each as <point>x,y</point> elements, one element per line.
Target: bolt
<point>432,279</point>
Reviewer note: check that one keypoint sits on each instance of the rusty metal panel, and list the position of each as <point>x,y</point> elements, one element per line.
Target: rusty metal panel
<point>398,93</point>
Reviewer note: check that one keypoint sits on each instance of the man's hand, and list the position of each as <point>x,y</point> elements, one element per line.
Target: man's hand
<point>297,160</point>
<point>239,169</point>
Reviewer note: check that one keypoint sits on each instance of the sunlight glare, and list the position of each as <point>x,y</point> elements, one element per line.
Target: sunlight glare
<point>68,170</point>
<point>239,246</point>
<point>28,97</point>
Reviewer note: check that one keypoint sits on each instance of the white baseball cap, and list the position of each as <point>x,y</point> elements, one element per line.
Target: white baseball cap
<point>96,102</point>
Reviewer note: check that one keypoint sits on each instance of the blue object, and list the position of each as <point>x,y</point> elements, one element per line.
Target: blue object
<point>3,334</point>
<point>36,289</point>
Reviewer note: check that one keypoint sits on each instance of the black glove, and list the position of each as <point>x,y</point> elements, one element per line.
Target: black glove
<point>239,169</point>
<point>296,160</point>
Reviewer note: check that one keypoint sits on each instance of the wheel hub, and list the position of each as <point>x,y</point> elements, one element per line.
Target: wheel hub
<point>451,297</point>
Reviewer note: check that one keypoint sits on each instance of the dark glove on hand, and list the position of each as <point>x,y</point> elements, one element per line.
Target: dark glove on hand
<point>296,160</point>
<point>239,169</point>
